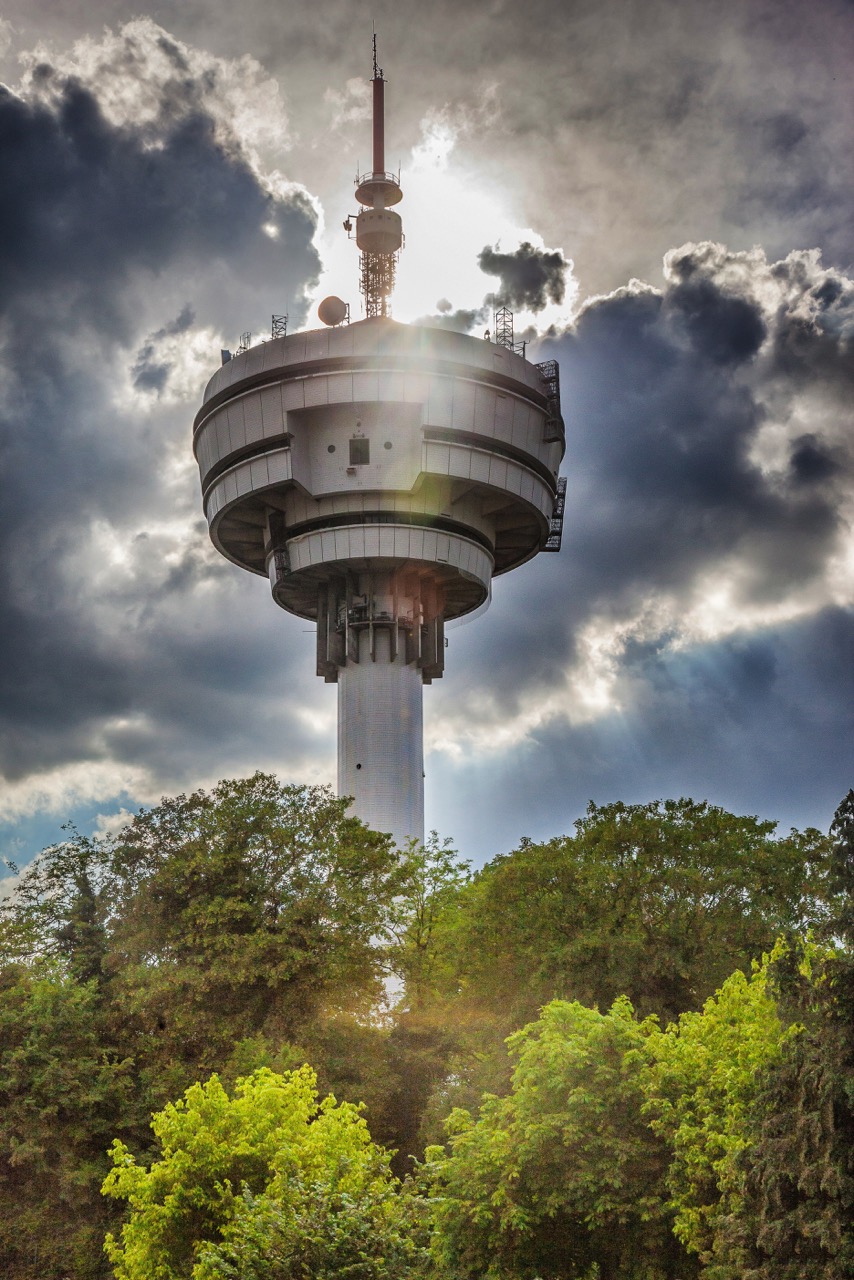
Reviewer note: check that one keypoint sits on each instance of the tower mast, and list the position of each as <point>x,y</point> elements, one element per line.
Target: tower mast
<point>380,476</point>
<point>379,230</point>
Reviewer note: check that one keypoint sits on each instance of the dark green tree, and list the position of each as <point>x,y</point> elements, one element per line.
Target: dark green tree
<point>59,908</point>
<point>422,1036</point>
<point>798,1217</point>
<point>65,1093</point>
<point>660,902</point>
<point>251,909</point>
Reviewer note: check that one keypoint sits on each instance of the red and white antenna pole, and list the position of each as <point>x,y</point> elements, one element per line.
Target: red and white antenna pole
<point>379,115</point>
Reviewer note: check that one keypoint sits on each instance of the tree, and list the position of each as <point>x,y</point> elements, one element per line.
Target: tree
<point>422,1034</point>
<point>255,907</point>
<point>226,929</point>
<point>799,1167</point>
<point>660,902</point>
<point>269,1184</point>
<point>64,1094</point>
<point>59,908</point>
<point>432,879</point>
<point>563,1178</point>
<point>702,1093</point>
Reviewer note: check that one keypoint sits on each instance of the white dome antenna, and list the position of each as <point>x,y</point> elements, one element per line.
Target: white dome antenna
<point>333,311</point>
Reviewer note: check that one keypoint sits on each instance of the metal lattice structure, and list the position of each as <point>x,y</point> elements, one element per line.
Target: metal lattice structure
<point>376,282</point>
<point>553,541</point>
<point>554,426</point>
<point>379,231</point>
<point>503,331</point>
<point>502,327</point>
<point>279,327</point>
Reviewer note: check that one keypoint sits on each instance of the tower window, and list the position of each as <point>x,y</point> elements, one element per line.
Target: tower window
<point>360,451</point>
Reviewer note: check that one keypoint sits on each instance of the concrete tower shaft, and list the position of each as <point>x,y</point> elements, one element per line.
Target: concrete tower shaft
<point>379,475</point>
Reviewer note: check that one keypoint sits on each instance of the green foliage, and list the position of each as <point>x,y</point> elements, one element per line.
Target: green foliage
<point>422,1035</point>
<point>702,1093</point>
<point>660,902</point>
<point>218,930</point>
<point>842,870</point>
<point>59,907</point>
<point>63,1095</point>
<point>430,895</point>
<point>254,927</point>
<point>562,1179</point>
<point>251,908</point>
<point>268,1183</point>
<point>799,1167</point>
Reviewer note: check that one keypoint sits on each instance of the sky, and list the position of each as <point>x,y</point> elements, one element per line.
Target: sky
<point>663,191</point>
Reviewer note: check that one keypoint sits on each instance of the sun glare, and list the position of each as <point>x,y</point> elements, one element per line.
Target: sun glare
<point>450,212</point>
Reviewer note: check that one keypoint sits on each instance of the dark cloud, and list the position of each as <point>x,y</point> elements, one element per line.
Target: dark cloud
<point>758,724</point>
<point>93,202</point>
<point>725,330</point>
<point>697,514</point>
<point>121,242</point>
<point>709,418</point>
<point>529,277</point>
<point>811,461</point>
<point>149,372</point>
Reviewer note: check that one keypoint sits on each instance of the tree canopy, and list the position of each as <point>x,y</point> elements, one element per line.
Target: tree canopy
<point>564,1174</point>
<point>659,902</point>
<point>268,1184</point>
<point>243,932</point>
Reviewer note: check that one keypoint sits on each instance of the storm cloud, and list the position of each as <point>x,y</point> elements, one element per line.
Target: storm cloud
<point>705,529</point>
<point>126,239</point>
<point>694,634</point>
<point>529,277</point>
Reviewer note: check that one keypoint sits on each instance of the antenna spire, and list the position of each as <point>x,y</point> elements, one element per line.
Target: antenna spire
<point>379,233</point>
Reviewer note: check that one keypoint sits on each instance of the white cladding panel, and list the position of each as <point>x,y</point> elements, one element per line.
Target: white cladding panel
<point>236,424</point>
<point>393,542</point>
<point>321,442</point>
<point>253,417</point>
<point>253,474</point>
<point>380,740</point>
<point>272,413</point>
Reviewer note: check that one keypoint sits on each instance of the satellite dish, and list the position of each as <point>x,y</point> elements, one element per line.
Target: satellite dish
<point>332,310</point>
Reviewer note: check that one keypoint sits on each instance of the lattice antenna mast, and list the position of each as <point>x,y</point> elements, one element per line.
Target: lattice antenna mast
<point>379,230</point>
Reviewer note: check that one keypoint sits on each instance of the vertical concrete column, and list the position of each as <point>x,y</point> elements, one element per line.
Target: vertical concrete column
<point>380,721</point>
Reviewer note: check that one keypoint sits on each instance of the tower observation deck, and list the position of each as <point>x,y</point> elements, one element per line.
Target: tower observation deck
<point>380,475</point>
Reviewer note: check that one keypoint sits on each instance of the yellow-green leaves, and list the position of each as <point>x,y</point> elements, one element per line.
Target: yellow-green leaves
<point>706,1076</point>
<point>270,1182</point>
<point>564,1173</point>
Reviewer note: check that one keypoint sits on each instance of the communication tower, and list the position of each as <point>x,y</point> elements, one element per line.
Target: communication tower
<point>380,475</point>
